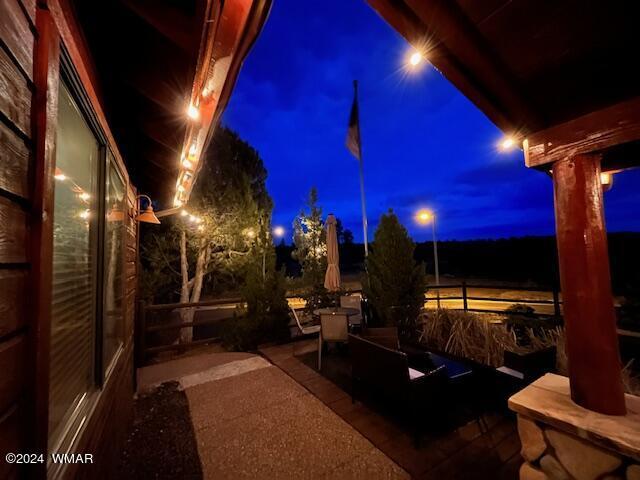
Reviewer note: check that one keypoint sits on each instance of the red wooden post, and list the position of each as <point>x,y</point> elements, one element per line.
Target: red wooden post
<point>590,323</point>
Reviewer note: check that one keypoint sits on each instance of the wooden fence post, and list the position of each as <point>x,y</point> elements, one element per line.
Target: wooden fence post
<point>464,296</point>
<point>556,302</point>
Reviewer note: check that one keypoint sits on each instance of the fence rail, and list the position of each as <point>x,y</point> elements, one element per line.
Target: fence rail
<point>157,319</point>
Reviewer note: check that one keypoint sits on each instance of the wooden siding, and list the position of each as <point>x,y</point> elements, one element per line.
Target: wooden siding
<point>12,301</point>
<point>29,74</point>
<point>16,34</point>
<point>16,157</point>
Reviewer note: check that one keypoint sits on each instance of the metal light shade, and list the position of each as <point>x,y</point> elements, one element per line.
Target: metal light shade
<point>148,216</point>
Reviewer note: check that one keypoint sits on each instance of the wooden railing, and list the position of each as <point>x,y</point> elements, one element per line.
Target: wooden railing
<point>149,326</point>
<point>434,294</point>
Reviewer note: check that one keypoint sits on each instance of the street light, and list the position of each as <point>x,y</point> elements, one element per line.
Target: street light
<point>423,217</point>
<point>507,143</point>
<point>278,232</point>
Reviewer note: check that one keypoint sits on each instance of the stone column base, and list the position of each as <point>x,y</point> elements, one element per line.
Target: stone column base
<point>563,441</point>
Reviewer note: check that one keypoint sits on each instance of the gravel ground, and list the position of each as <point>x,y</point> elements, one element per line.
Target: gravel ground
<point>161,443</point>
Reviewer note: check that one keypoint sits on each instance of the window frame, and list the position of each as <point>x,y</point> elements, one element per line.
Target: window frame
<point>75,422</point>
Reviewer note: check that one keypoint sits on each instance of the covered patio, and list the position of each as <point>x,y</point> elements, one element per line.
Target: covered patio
<point>109,107</point>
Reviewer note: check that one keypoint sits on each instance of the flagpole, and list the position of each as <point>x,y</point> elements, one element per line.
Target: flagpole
<point>362,197</point>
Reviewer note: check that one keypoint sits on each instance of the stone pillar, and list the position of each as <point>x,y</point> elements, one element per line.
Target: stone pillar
<point>590,323</point>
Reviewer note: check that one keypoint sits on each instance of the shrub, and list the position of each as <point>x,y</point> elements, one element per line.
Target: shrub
<point>266,314</point>
<point>395,284</point>
<point>470,336</point>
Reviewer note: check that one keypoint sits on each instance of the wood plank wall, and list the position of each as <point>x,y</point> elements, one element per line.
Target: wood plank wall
<point>17,37</point>
<point>107,427</point>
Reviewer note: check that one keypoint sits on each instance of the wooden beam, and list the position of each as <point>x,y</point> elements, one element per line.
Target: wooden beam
<point>476,61</point>
<point>594,132</point>
<point>455,47</point>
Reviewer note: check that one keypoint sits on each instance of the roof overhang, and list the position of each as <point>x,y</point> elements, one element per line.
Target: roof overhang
<point>535,68</point>
<point>231,29</point>
<point>151,60</point>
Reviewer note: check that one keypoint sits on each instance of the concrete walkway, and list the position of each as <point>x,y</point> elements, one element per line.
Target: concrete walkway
<point>252,420</point>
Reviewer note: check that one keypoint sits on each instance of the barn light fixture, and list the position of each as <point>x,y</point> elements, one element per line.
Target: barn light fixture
<point>148,216</point>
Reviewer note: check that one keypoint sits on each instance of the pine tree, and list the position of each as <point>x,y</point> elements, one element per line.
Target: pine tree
<point>396,284</point>
<point>310,239</point>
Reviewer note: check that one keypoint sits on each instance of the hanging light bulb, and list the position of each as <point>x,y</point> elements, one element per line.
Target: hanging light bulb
<point>193,113</point>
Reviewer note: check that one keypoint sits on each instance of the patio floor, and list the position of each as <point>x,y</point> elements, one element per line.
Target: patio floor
<point>462,453</point>
<point>248,419</point>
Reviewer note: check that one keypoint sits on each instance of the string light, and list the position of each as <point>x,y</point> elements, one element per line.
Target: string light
<point>59,175</point>
<point>85,214</point>
<point>84,196</point>
<point>184,213</point>
<point>193,150</point>
<point>193,113</point>
<point>187,164</point>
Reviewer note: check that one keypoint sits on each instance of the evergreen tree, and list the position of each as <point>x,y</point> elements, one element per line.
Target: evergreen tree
<point>310,239</point>
<point>396,284</point>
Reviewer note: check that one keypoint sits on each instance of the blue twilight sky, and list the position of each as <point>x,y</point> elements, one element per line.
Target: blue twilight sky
<point>424,143</point>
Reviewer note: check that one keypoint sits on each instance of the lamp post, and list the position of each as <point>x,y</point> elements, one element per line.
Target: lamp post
<point>423,217</point>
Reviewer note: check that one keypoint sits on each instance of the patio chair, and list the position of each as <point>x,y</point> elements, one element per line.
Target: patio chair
<point>353,301</point>
<point>304,329</point>
<point>334,328</point>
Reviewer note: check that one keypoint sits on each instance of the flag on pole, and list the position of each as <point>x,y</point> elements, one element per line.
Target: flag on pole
<point>353,134</point>
<point>355,147</point>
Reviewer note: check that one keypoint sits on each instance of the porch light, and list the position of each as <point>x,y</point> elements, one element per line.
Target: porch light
<point>507,143</point>
<point>606,179</point>
<point>193,113</point>
<point>147,216</point>
<point>415,59</point>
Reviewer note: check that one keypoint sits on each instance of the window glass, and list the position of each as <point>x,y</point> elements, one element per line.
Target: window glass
<point>74,264</point>
<point>113,287</point>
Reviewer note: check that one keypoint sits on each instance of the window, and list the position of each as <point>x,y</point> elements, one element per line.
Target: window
<point>113,283</point>
<point>75,241</point>
<point>88,288</point>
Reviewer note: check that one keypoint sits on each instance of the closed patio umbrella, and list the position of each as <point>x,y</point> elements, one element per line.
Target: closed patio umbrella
<point>332,277</point>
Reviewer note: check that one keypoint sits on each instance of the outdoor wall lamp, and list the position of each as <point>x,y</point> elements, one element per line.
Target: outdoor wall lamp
<point>147,216</point>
